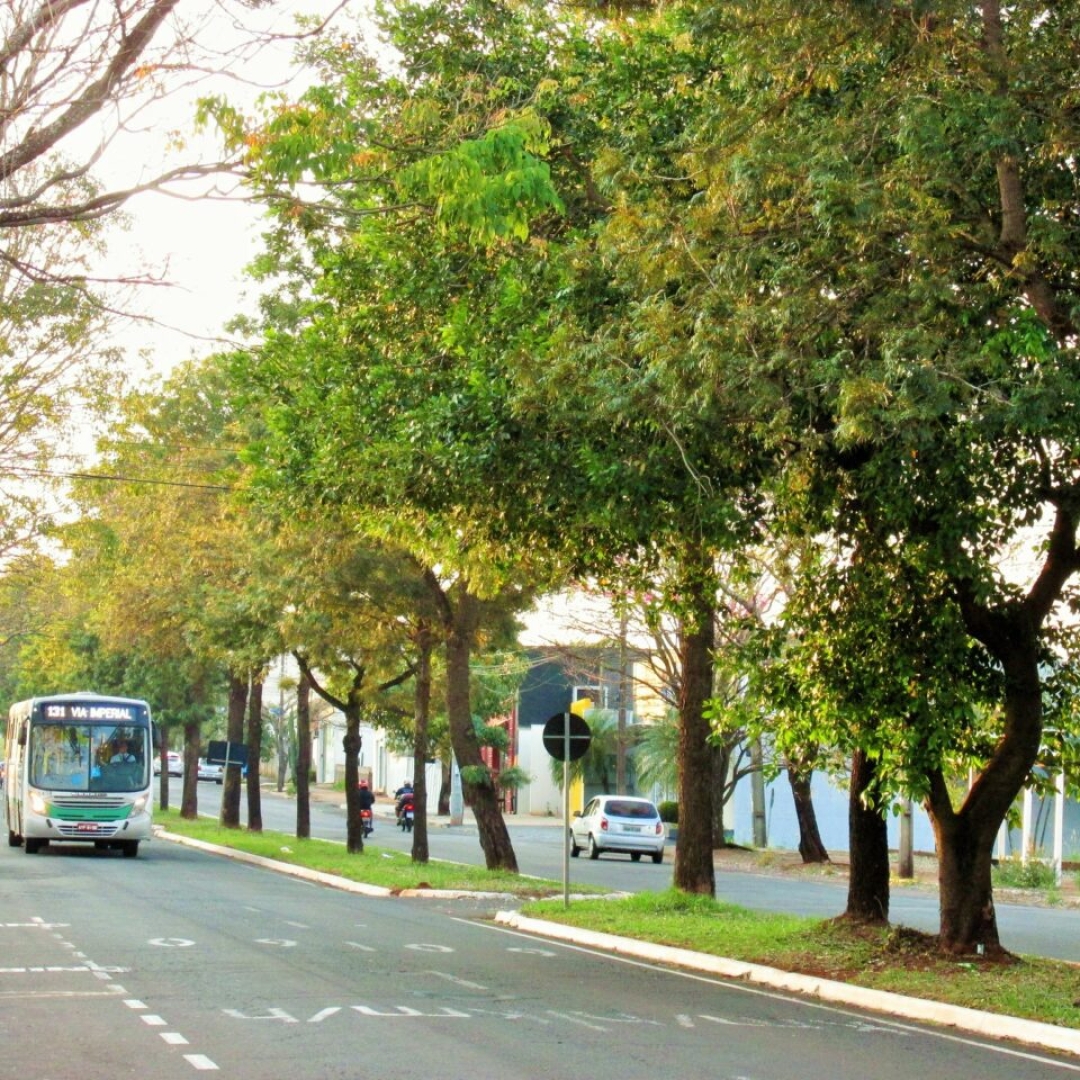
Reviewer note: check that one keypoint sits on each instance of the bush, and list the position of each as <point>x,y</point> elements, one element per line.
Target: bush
<point>1016,874</point>
<point>669,812</point>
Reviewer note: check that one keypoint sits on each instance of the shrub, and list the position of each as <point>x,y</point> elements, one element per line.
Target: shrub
<point>669,812</point>
<point>1016,874</point>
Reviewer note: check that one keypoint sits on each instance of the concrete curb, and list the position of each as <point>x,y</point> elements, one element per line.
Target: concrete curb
<point>990,1025</point>
<point>302,872</point>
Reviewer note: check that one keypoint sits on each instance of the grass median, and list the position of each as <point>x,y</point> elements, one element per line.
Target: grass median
<point>883,958</point>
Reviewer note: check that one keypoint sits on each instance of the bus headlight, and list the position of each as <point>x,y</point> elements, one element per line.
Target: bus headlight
<point>37,802</point>
<point>139,805</point>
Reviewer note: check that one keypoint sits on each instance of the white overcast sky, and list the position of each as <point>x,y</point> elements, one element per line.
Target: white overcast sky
<point>199,247</point>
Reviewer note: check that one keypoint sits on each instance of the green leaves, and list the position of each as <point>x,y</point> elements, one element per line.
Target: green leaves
<point>489,188</point>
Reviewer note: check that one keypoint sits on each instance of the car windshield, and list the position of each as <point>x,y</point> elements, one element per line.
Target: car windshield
<point>88,757</point>
<point>625,808</point>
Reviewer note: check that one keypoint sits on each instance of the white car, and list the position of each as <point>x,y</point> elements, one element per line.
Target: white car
<point>211,772</point>
<point>176,764</point>
<point>618,823</point>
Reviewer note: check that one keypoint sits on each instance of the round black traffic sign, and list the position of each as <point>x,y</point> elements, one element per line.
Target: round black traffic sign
<point>555,736</point>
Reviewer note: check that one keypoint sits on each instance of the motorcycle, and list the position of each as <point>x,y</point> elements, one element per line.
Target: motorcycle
<point>405,815</point>
<point>367,821</point>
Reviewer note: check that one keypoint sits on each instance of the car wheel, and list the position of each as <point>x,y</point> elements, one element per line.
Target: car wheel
<point>594,851</point>
<point>635,856</point>
<point>658,857</point>
<point>575,851</point>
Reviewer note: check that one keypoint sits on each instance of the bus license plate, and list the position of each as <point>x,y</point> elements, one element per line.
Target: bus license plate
<point>88,826</point>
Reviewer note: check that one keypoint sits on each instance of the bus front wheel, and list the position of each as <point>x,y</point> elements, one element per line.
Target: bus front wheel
<point>34,846</point>
<point>130,848</point>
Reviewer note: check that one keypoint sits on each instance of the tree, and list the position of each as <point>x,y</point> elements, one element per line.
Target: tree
<point>888,228</point>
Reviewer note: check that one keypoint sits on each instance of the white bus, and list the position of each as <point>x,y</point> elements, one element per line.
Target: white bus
<point>78,771</point>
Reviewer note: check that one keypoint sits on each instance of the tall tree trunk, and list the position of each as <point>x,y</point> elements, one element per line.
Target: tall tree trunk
<point>811,848</point>
<point>965,888</point>
<point>352,742</point>
<point>445,786</point>
<point>694,869</point>
<point>965,839</point>
<point>460,619</point>
<point>254,745</point>
<point>163,776</point>
<point>303,756</point>
<point>868,878</point>
<point>720,756</point>
<point>234,733</point>
<point>422,700</point>
<point>189,788</point>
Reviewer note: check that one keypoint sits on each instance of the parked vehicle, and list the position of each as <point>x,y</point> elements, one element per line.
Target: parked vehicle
<point>211,772</point>
<point>618,823</point>
<point>175,761</point>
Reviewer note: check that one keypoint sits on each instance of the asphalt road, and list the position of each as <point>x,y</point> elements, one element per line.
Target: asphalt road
<point>1033,931</point>
<point>182,962</point>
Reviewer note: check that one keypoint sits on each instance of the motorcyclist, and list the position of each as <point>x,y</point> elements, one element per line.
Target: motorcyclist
<point>367,804</point>
<point>403,795</point>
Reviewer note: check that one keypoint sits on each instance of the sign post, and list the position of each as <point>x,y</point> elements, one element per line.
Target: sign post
<point>566,738</point>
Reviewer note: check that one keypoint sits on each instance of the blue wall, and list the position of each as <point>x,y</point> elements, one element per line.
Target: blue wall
<point>830,806</point>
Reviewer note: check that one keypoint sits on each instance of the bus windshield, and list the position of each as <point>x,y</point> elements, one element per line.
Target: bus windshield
<point>89,757</point>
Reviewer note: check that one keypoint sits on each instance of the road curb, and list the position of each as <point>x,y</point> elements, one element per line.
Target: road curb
<point>302,872</point>
<point>990,1025</point>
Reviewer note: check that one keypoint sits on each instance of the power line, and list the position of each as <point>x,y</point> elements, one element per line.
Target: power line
<point>114,478</point>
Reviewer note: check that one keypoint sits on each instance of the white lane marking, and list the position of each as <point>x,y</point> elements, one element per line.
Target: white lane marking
<point>271,1014</point>
<point>405,1010</point>
<point>200,1062</point>
<point>322,1014</point>
<point>174,1038</point>
<point>172,942</point>
<point>532,952</point>
<point>357,945</point>
<point>456,981</point>
<point>134,1003</point>
<point>57,970</point>
<point>424,947</point>
<point>575,1020</point>
<point>298,925</point>
<point>152,1020</point>
<point>283,943</point>
<point>33,924</point>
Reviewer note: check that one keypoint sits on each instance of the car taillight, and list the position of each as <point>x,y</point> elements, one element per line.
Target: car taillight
<point>603,824</point>
<point>659,827</point>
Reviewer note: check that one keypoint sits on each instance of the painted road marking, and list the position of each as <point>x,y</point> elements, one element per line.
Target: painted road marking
<point>201,1062</point>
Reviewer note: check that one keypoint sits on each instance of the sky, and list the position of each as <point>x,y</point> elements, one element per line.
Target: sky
<point>198,246</point>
